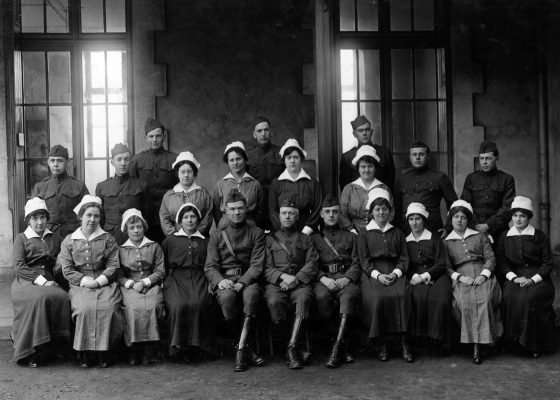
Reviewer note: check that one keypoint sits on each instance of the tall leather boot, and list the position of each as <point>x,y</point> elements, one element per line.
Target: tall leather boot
<point>241,355</point>
<point>253,358</point>
<point>293,356</point>
<point>335,358</point>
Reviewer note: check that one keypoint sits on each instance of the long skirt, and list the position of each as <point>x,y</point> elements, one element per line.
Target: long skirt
<point>97,317</point>
<point>529,315</point>
<point>41,313</point>
<point>477,308</point>
<point>188,304</point>
<point>142,313</point>
<point>386,309</point>
<point>431,314</point>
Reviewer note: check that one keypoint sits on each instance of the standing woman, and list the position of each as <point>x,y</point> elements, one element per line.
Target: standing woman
<point>427,273</point>
<point>476,293</point>
<point>186,191</point>
<point>385,293</point>
<point>525,260</point>
<point>295,185</point>
<point>238,178</point>
<point>354,215</point>
<point>185,288</point>
<point>41,307</point>
<point>90,262</point>
<point>140,276</point>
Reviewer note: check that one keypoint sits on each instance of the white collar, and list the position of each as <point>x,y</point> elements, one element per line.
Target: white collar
<point>145,241</point>
<point>245,176</point>
<point>180,189</point>
<point>529,231</point>
<point>78,234</point>
<point>426,235</point>
<point>360,183</point>
<point>185,234</point>
<point>372,225</point>
<point>455,236</point>
<point>30,233</point>
<point>285,176</point>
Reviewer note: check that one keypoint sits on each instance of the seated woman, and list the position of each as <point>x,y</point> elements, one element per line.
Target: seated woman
<point>185,289</point>
<point>90,262</point>
<point>140,276</point>
<point>525,260</point>
<point>41,307</point>
<point>476,293</point>
<point>427,272</point>
<point>385,293</point>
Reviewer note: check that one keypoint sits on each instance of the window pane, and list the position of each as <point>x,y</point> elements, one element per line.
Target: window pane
<point>37,170</point>
<point>372,111</point>
<point>36,140</point>
<point>425,66</point>
<point>426,123</point>
<point>57,16</point>
<point>95,131</point>
<point>441,73</point>
<point>59,77</point>
<point>32,18</point>
<point>348,78</point>
<point>442,125</point>
<point>18,77</point>
<point>368,61</point>
<point>93,63</point>
<point>60,126</point>
<point>347,15</point>
<point>115,16</point>
<point>367,15</point>
<point>401,72</point>
<point>96,171</point>
<point>117,125</point>
<point>400,15</point>
<point>116,76</point>
<point>19,119</point>
<point>349,112</point>
<point>424,15</point>
<point>92,16</point>
<point>34,77</point>
<point>402,126</point>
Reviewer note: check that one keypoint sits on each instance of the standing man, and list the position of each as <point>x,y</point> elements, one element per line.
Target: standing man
<point>264,161</point>
<point>234,264</point>
<point>153,166</point>
<point>121,193</point>
<point>363,131</point>
<point>490,193</point>
<point>420,184</point>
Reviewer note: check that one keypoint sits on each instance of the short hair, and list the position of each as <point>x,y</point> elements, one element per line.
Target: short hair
<point>186,209</point>
<point>260,120</point>
<point>134,219</point>
<point>181,163</point>
<point>368,159</point>
<point>464,210</point>
<point>418,144</point>
<point>289,151</point>
<point>36,213</point>
<point>380,202</point>
<point>238,150</point>
<point>529,213</point>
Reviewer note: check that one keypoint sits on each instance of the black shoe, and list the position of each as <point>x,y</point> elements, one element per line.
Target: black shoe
<point>103,359</point>
<point>347,357</point>
<point>477,355</point>
<point>407,354</point>
<point>305,356</point>
<point>334,360</point>
<point>293,358</point>
<point>253,358</point>
<point>535,355</point>
<point>241,360</point>
<point>383,356</point>
<point>85,360</point>
<point>29,361</point>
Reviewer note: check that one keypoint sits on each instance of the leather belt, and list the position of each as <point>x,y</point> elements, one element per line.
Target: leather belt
<point>334,268</point>
<point>233,271</point>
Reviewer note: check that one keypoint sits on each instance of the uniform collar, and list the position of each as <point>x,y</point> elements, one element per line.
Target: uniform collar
<point>426,235</point>
<point>145,241</point>
<point>455,236</point>
<point>245,176</point>
<point>360,183</point>
<point>180,189</point>
<point>529,231</point>
<point>78,234</point>
<point>372,226</point>
<point>60,177</point>
<point>30,233</point>
<point>285,176</point>
<point>185,234</point>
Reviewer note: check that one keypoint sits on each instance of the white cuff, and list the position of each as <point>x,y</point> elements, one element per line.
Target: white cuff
<point>354,231</point>
<point>40,280</point>
<point>375,273</point>
<point>536,278</point>
<point>426,276</point>
<point>128,284</point>
<point>307,230</point>
<point>414,276</point>
<point>491,239</point>
<point>147,282</point>
<point>84,280</point>
<point>455,276</point>
<point>397,272</point>
<point>102,280</point>
<point>486,272</point>
<point>510,276</point>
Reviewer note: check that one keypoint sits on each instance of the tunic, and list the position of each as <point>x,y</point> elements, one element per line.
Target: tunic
<point>185,289</point>
<point>250,188</point>
<point>143,310</point>
<point>426,187</point>
<point>304,191</point>
<point>96,312</point>
<point>431,304</point>
<point>335,267</point>
<point>175,198</point>
<point>527,311</point>
<point>384,171</point>
<point>61,193</point>
<point>153,166</point>
<point>301,262</point>
<point>476,308</point>
<point>354,214</point>
<point>118,194</point>
<point>386,308</point>
<point>41,313</point>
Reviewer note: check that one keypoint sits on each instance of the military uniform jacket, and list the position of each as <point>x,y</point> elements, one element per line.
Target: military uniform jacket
<point>490,195</point>
<point>140,263</point>
<point>264,163</point>
<point>385,171</point>
<point>61,193</point>
<point>346,244</point>
<point>423,186</point>
<point>302,261</point>
<point>248,244</point>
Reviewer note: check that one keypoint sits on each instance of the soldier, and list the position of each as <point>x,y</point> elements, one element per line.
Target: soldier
<point>385,172</point>
<point>121,192</point>
<point>339,272</point>
<point>234,264</point>
<point>290,270</point>
<point>420,184</point>
<point>153,166</point>
<point>61,192</point>
<point>490,192</point>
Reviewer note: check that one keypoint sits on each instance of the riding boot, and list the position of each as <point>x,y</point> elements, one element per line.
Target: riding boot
<point>241,353</point>
<point>293,357</point>
<point>335,358</point>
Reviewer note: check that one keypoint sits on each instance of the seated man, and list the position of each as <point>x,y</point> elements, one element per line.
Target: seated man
<point>290,270</point>
<point>234,264</point>
<point>339,272</point>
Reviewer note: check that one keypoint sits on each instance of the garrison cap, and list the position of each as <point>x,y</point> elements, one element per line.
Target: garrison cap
<point>488,147</point>
<point>58,151</point>
<point>288,203</point>
<point>359,121</point>
<point>330,201</point>
<point>151,124</point>
<point>234,196</point>
<point>120,148</point>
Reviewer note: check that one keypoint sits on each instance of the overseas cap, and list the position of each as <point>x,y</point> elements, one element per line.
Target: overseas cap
<point>359,121</point>
<point>330,201</point>
<point>151,124</point>
<point>487,147</point>
<point>58,151</point>
<point>234,196</point>
<point>120,148</point>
